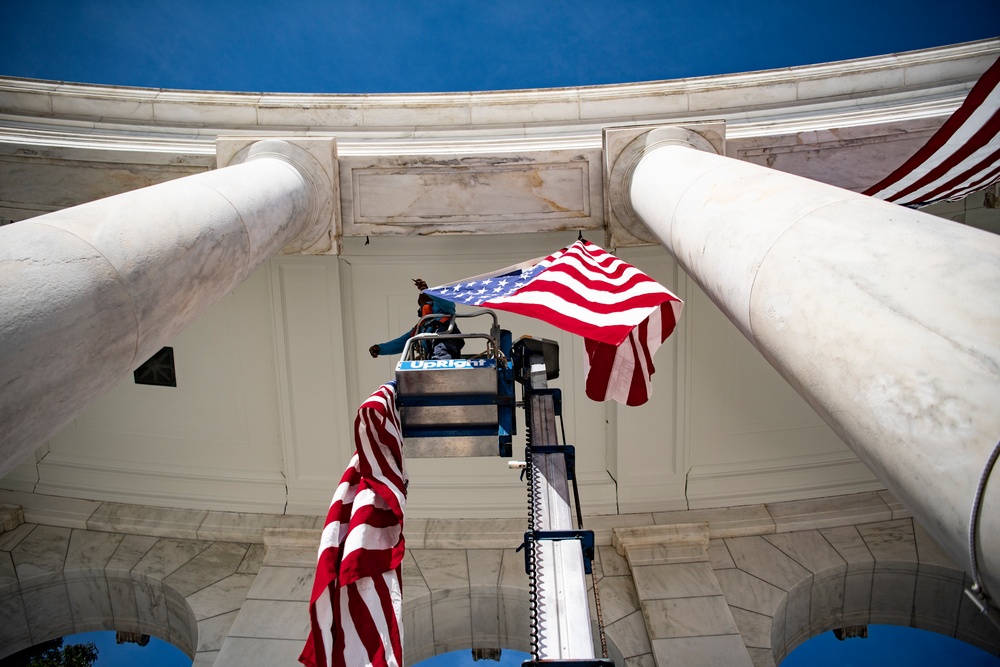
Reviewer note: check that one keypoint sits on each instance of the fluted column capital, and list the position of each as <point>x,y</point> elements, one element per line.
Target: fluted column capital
<point>315,159</point>
<point>624,148</point>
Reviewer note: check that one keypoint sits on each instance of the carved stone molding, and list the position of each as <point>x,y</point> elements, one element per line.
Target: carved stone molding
<point>624,147</point>
<point>316,160</point>
<point>672,543</point>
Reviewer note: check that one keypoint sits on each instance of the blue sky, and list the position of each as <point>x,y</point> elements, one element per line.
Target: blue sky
<point>375,46</point>
<point>456,45</point>
<point>110,653</point>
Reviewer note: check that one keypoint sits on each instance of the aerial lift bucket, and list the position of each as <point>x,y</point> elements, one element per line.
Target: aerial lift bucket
<point>457,407</point>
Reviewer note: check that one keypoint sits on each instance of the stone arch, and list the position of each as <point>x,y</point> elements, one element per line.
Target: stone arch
<point>56,581</point>
<point>783,588</point>
<point>456,599</point>
<point>86,600</point>
<point>889,593</point>
<point>746,585</point>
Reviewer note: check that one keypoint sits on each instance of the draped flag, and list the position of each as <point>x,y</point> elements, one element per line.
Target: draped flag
<point>963,156</point>
<point>623,314</point>
<point>356,602</point>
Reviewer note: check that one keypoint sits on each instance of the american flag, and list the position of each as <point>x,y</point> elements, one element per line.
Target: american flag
<point>963,156</point>
<point>356,603</point>
<point>623,314</point>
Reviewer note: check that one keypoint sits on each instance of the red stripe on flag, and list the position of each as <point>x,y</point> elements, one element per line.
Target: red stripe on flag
<point>587,291</point>
<point>981,170</point>
<point>972,118</point>
<point>979,139</point>
<point>355,604</point>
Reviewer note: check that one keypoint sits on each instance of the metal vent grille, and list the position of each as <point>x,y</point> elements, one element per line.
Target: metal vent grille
<point>158,370</point>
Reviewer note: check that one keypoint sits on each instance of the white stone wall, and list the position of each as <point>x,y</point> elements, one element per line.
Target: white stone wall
<point>269,380</point>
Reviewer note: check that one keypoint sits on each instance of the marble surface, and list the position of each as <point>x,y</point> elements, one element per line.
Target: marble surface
<point>761,559</point>
<point>159,521</point>
<point>212,632</point>
<point>131,550</point>
<point>688,617</point>
<point>748,592</point>
<point>239,651</point>
<point>484,569</point>
<point>243,526</point>
<point>209,566</point>
<point>466,533</point>
<point>618,598</point>
<point>828,512</point>
<point>11,517</point>
<point>702,651</point>
<point>667,543</point>
<point>167,555</point>
<point>124,607</point>
<point>42,552</point>
<point>222,597</point>
<point>904,399</point>
<point>538,191</point>
<point>675,580</point>
<point>730,522</point>
<point>643,660</point>
<point>629,634</point>
<point>612,563</point>
<point>443,570</point>
<point>91,549</point>
<point>753,627</point>
<point>719,556</point>
<point>47,610</point>
<point>937,602</point>
<point>283,583</point>
<point>827,601</point>
<point>850,545</point>
<point>89,602</point>
<point>819,578</point>
<point>809,549</point>
<point>51,510</point>
<point>10,539</point>
<point>272,619</point>
<point>890,540</point>
<point>253,561</point>
<point>8,574</point>
<point>15,632</point>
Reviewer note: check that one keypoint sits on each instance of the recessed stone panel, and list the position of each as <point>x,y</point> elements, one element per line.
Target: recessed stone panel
<point>547,191</point>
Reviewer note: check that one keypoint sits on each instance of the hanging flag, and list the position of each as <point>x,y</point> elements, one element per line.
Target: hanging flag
<point>623,314</point>
<point>963,156</point>
<point>356,602</point>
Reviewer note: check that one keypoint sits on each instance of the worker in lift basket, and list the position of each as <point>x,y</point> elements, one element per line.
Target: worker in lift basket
<point>437,349</point>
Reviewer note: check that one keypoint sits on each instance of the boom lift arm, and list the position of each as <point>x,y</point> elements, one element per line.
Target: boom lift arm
<point>464,407</point>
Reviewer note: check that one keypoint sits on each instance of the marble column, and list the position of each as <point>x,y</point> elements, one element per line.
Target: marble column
<point>886,320</point>
<point>89,293</point>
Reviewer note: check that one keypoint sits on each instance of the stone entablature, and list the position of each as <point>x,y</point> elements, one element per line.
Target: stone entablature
<point>926,73</point>
<point>537,151</point>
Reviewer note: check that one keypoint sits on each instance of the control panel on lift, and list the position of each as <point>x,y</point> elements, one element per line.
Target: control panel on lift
<point>460,406</point>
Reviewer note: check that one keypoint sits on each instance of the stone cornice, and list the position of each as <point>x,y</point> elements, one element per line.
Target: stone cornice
<point>931,81</point>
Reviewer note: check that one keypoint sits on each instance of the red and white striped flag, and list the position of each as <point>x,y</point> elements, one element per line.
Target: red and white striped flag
<point>963,156</point>
<point>356,603</point>
<point>623,314</point>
